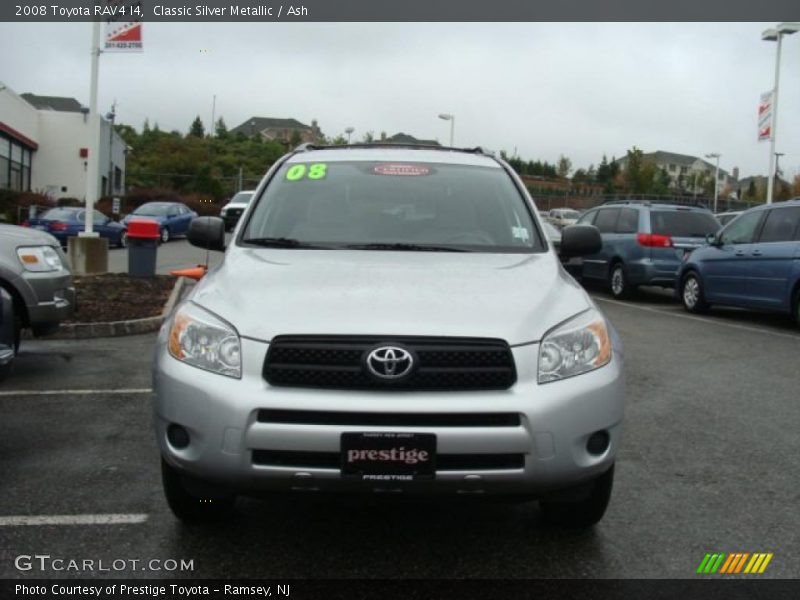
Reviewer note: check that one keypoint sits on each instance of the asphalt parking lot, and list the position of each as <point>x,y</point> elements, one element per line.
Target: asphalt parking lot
<point>708,464</point>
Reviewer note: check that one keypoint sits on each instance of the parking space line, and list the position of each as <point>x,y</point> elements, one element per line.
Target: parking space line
<point>73,392</point>
<point>696,318</point>
<point>107,519</point>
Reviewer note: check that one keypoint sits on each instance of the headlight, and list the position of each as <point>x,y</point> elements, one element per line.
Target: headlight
<point>580,345</point>
<point>40,259</point>
<point>200,339</point>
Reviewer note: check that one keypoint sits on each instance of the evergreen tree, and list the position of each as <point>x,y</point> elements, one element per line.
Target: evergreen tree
<point>197,129</point>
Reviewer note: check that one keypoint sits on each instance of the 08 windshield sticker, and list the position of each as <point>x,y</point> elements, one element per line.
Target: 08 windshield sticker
<point>401,170</point>
<point>302,171</point>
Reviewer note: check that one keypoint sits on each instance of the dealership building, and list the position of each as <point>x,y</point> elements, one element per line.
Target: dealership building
<point>44,144</point>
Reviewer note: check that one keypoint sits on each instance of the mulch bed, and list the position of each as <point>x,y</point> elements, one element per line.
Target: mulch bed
<point>120,297</point>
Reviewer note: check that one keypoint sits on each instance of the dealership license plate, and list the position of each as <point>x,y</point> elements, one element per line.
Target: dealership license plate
<point>388,456</point>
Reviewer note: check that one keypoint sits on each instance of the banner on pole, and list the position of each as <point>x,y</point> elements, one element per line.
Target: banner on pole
<point>123,29</point>
<point>765,117</point>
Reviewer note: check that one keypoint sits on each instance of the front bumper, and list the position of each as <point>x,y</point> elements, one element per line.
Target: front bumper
<point>49,299</point>
<point>221,416</point>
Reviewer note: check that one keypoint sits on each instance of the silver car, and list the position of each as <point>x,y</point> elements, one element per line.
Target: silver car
<point>389,320</point>
<point>35,273</point>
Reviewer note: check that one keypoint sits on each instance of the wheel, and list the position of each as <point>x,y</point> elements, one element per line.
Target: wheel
<point>796,306</point>
<point>692,294</point>
<point>583,513</point>
<point>189,508</point>
<point>618,282</point>
<point>123,240</point>
<point>9,333</point>
<point>165,235</point>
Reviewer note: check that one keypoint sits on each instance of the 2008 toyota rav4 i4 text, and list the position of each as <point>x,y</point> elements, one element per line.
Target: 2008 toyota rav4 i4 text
<point>389,319</point>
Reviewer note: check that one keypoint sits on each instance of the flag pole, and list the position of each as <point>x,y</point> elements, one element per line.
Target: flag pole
<point>93,163</point>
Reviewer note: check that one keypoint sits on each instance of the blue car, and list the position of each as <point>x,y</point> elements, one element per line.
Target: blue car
<point>173,218</point>
<point>644,242</point>
<point>68,221</point>
<point>754,262</point>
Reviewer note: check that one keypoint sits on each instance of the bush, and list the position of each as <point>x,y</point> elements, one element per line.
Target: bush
<point>14,205</point>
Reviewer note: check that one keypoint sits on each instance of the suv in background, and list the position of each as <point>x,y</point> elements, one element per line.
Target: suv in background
<point>644,243</point>
<point>389,319</point>
<point>233,210</point>
<point>754,262</point>
<point>35,273</point>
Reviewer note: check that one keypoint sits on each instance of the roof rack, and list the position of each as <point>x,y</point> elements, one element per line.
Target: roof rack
<point>669,201</point>
<point>307,147</point>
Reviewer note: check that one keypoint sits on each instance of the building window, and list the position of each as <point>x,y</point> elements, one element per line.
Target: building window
<point>117,179</point>
<point>672,168</point>
<point>15,165</point>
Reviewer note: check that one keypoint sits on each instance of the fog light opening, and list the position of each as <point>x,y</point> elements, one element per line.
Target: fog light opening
<point>178,436</point>
<point>598,442</point>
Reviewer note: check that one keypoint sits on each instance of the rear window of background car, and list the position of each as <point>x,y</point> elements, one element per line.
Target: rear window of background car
<point>683,223</point>
<point>628,221</point>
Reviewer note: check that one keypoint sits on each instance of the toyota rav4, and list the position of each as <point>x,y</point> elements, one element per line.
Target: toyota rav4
<point>389,319</point>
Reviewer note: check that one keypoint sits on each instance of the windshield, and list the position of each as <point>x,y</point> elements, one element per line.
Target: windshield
<point>683,223</point>
<point>393,206</point>
<point>153,209</point>
<point>242,198</point>
<point>63,214</point>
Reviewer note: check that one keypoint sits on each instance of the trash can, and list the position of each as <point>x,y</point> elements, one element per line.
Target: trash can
<point>143,236</point>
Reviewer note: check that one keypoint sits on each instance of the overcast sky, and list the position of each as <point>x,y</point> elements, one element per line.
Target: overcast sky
<point>581,90</point>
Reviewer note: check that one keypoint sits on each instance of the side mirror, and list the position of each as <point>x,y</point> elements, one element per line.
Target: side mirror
<point>207,233</point>
<point>580,240</point>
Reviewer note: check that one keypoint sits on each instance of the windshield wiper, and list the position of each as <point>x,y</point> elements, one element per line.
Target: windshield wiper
<point>282,242</point>
<point>407,247</point>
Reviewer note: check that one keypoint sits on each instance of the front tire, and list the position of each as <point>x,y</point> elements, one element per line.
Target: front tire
<point>189,508</point>
<point>692,295</point>
<point>123,240</point>
<point>165,235</point>
<point>583,513</point>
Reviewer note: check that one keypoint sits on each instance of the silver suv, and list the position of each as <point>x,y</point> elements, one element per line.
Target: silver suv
<point>389,319</point>
<point>36,275</point>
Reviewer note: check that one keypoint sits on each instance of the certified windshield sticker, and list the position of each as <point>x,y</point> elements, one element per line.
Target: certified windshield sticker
<point>302,171</point>
<point>401,169</point>
<point>520,233</point>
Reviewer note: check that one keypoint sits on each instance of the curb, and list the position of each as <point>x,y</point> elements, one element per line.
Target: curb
<point>79,331</point>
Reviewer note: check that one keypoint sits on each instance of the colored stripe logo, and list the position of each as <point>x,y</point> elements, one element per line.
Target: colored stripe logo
<point>735,562</point>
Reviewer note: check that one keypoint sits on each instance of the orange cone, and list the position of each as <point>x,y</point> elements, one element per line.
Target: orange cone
<point>195,273</point>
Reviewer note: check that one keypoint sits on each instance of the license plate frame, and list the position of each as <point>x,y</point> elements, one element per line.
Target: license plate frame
<point>388,456</point>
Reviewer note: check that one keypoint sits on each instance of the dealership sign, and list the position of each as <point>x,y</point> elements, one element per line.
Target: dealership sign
<point>123,29</point>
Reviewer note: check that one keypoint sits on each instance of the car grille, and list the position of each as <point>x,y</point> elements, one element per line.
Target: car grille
<point>315,417</point>
<point>339,362</point>
<point>332,460</point>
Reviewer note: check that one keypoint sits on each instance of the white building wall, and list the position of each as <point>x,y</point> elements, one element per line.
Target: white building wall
<point>18,114</point>
<point>58,168</point>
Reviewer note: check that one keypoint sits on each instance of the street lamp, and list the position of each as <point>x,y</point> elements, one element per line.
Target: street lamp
<point>775,35</point>
<point>716,177</point>
<point>452,119</point>
<point>348,131</point>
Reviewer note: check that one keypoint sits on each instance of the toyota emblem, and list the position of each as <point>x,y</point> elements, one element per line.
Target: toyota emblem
<point>390,362</point>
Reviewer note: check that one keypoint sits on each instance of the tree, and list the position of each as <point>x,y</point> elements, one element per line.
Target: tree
<point>633,176</point>
<point>564,166</point>
<point>197,129</point>
<point>220,129</point>
<point>796,186</point>
<point>368,137</point>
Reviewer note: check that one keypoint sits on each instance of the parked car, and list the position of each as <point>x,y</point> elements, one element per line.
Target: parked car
<point>389,319</point>
<point>644,243</point>
<point>561,217</point>
<point>7,338</point>
<point>231,212</point>
<point>754,262</point>
<point>726,217</point>
<point>173,218</point>
<point>35,273</point>
<point>68,221</point>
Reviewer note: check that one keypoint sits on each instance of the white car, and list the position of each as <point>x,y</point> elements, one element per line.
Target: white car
<point>233,210</point>
<point>561,217</point>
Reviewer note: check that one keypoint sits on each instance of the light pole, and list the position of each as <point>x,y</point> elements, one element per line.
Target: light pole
<point>716,177</point>
<point>348,131</point>
<point>775,35</point>
<point>452,119</point>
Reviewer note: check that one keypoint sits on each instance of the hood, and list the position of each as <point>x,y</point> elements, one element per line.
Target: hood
<point>27,236</point>
<point>268,292</point>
